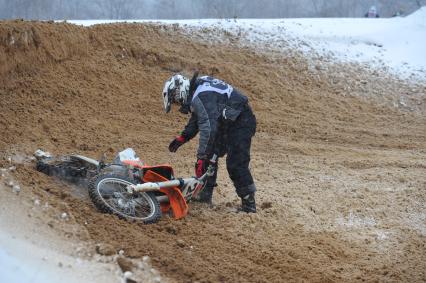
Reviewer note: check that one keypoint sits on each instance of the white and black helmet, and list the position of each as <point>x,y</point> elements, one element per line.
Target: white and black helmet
<point>176,90</point>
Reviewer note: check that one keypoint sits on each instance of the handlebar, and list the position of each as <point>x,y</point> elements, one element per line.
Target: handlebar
<point>155,186</point>
<point>210,170</point>
<point>213,159</point>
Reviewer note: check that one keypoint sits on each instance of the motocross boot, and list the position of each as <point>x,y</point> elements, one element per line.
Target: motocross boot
<point>205,196</point>
<point>248,204</point>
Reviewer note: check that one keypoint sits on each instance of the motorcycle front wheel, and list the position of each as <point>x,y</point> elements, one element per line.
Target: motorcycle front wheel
<point>109,194</point>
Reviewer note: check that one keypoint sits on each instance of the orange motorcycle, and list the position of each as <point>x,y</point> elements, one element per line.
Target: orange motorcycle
<point>127,187</point>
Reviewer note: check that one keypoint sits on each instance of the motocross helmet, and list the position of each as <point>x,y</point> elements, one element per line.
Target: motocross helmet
<point>176,90</point>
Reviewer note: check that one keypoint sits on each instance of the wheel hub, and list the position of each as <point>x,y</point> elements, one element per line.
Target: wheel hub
<point>126,205</point>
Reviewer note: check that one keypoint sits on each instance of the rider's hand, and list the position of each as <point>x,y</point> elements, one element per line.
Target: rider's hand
<point>201,167</point>
<point>176,143</point>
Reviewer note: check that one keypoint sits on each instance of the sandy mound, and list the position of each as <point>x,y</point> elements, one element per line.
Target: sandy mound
<point>339,157</point>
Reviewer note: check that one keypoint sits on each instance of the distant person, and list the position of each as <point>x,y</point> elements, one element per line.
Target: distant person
<point>372,13</point>
<point>398,14</point>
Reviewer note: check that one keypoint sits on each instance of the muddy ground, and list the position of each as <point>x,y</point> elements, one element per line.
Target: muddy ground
<point>339,157</point>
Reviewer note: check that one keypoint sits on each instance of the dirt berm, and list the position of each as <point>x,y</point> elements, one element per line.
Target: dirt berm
<point>339,157</point>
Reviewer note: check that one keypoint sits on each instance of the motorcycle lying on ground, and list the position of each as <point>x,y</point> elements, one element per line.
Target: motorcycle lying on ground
<point>127,187</point>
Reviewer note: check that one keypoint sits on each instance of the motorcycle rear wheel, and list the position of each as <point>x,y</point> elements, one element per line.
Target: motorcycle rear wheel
<point>108,193</point>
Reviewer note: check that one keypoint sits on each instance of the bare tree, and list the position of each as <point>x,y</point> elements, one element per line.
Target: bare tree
<point>177,9</point>
<point>229,8</point>
<point>315,4</point>
<point>115,9</point>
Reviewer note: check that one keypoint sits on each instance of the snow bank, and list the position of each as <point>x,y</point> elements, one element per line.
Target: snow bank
<point>12,270</point>
<point>23,260</point>
<point>398,44</point>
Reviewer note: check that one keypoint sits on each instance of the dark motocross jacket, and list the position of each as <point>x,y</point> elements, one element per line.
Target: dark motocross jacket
<point>214,104</point>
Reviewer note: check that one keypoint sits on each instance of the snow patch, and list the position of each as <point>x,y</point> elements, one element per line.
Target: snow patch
<point>355,221</point>
<point>396,44</point>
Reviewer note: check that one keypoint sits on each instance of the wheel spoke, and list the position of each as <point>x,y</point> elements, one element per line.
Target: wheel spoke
<point>113,192</point>
<point>142,206</point>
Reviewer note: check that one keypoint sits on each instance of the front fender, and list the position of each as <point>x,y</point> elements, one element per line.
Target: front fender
<point>177,202</point>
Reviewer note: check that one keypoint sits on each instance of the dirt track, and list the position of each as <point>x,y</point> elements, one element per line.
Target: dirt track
<point>339,157</point>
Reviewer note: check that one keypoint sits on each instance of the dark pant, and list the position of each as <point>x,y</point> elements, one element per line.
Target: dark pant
<point>238,137</point>
<point>240,134</point>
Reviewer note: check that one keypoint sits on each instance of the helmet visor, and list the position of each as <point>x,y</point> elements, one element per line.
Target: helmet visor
<point>167,101</point>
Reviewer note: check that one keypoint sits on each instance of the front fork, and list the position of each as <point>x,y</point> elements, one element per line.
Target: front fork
<point>188,185</point>
<point>179,191</point>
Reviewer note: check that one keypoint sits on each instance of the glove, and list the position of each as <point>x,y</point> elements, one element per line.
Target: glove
<point>176,143</point>
<point>200,167</point>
